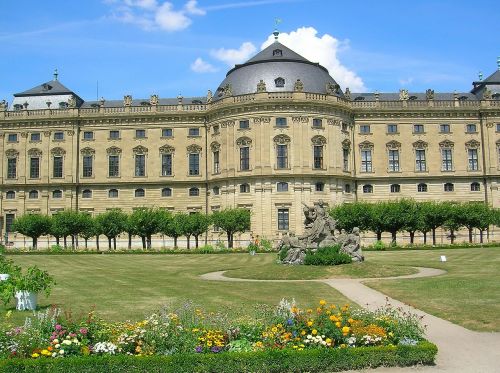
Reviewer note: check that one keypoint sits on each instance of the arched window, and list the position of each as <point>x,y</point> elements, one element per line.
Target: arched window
<point>395,188</point>
<point>140,192</point>
<point>33,194</point>
<point>367,188</point>
<point>244,188</point>
<point>113,193</point>
<point>282,187</point>
<point>10,195</point>
<point>166,192</point>
<point>216,190</point>
<point>87,193</point>
<point>449,187</point>
<point>475,187</point>
<point>422,187</point>
<point>57,194</point>
<point>194,192</point>
<point>319,186</point>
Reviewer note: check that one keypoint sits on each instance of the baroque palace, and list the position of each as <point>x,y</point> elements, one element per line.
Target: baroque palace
<point>277,133</point>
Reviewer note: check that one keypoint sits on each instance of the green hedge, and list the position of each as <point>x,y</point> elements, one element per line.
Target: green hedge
<point>327,256</point>
<point>317,360</point>
<point>462,245</point>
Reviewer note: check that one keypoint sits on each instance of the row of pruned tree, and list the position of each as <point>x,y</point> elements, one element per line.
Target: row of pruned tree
<point>412,216</point>
<point>142,222</point>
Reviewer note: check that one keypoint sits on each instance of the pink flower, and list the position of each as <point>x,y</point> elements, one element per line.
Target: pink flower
<point>83,331</point>
<point>58,327</point>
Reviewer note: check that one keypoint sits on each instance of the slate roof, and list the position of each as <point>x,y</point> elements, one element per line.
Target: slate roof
<point>421,96</point>
<point>54,87</point>
<point>145,102</point>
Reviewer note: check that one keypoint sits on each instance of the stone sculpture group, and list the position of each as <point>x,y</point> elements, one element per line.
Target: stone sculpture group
<point>319,232</point>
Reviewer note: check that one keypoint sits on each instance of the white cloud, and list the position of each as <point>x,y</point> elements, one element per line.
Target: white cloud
<point>234,56</point>
<point>200,66</point>
<point>154,14</point>
<point>171,20</point>
<point>405,82</point>
<point>306,42</point>
<point>192,8</point>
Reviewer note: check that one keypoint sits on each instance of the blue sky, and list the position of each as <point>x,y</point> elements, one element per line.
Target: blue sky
<point>141,47</point>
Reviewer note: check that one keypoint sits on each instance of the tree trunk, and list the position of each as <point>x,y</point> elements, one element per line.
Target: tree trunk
<point>109,243</point>
<point>433,236</point>
<point>175,242</point>
<point>97,242</point>
<point>393,234</point>
<point>452,236</point>
<point>72,241</point>
<point>114,243</point>
<point>129,240</point>
<point>229,240</point>
<point>425,238</point>
<point>86,243</point>
<point>470,235</point>
<point>58,239</point>
<point>196,240</point>
<point>149,242</point>
<point>76,241</point>
<point>379,236</point>
<point>481,231</point>
<point>188,242</point>
<point>34,243</point>
<point>412,238</point>
<point>65,243</point>
<point>143,239</point>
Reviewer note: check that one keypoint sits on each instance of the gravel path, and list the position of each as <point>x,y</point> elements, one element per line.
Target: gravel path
<point>459,350</point>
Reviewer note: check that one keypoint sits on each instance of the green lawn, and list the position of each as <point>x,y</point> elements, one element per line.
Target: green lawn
<point>468,295</point>
<point>130,286</point>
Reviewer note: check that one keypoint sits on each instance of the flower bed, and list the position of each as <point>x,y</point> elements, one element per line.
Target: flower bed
<point>284,339</point>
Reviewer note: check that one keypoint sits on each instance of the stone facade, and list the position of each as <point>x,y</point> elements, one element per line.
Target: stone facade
<point>267,151</point>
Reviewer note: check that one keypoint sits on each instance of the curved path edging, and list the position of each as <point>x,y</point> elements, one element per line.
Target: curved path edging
<point>459,350</point>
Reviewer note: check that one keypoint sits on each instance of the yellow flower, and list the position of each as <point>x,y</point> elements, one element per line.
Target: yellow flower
<point>295,346</point>
<point>350,321</point>
<point>309,323</point>
<point>343,345</point>
<point>309,310</point>
<point>318,310</point>
<point>35,355</point>
<point>322,302</point>
<point>333,318</point>
<point>338,324</point>
<point>8,314</point>
<point>328,340</point>
<point>195,330</point>
<point>328,312</point>
<point>209,343</point>
<point>314,332</point>
<point>274,329</point>
<point>303,332</point>
<point>345,330</point>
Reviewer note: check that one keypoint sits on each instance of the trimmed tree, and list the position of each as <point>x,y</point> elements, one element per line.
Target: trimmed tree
<point>145,222</point>
<point>433,215</point>
<point>232,221</point>
<point>32,226</point>
<point>88,228</point>
<point>111,224</point>
<point>476,215</point>
<point>454,219</point>
<point>197,225</point>
<point>411,217</point>
<point>350,215</point>
<point>173,225</point>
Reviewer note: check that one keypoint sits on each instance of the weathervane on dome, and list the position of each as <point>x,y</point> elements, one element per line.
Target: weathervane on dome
<point>276,33</point>
<point>56,74</point>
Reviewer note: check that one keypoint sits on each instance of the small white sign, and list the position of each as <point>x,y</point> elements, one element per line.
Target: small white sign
<point>443,258</point>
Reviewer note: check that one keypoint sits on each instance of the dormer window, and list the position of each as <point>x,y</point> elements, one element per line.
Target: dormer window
<point>18,107</point>
<point>359,98</point>
<point>413,98</point>
<point>277,53</point>
<point>63,105</point>
<point>495,96</point>
<point>462,98</point>
<point>280,82</point>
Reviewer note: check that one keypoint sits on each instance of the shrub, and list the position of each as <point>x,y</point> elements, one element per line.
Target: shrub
<point>379,246</point>
<point>327,256</point>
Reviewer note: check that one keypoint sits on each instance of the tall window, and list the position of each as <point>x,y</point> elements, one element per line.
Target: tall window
<point>345,159</point>
<point>114,165</point>
<point>140,165</point>
<point>58,166</point>
<point>11,168</point>
<point>216,162</point>
<point>281,156</point>
<point>194,164</point>
<point>87,165</point>
<point>244,158</point>
<point>472,158</point>
<point>420,162</point>
<point>366,160</point>
<point>166,165</point>
<point>447,160</point>
<point>393,160</point>
<point>34,167</point>
<point>283,219</point>
<point>9,221</point>
<point>318,156</point>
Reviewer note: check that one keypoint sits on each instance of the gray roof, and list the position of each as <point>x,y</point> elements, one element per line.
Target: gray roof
<point>412,95</point>
<point>145,102</point>
<point>493,83</point>
<point>268,65</point>
<point>54,87</point>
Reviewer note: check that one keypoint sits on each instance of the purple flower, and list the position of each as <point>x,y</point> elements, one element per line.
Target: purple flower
<point>198,349</point>
<point>289,322</point>
<point>215,349</point>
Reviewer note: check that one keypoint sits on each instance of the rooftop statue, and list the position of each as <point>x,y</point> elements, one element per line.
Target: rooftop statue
<point>319,232</point>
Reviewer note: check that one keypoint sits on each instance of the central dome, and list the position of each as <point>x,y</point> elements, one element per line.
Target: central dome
<point>279,68</point>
